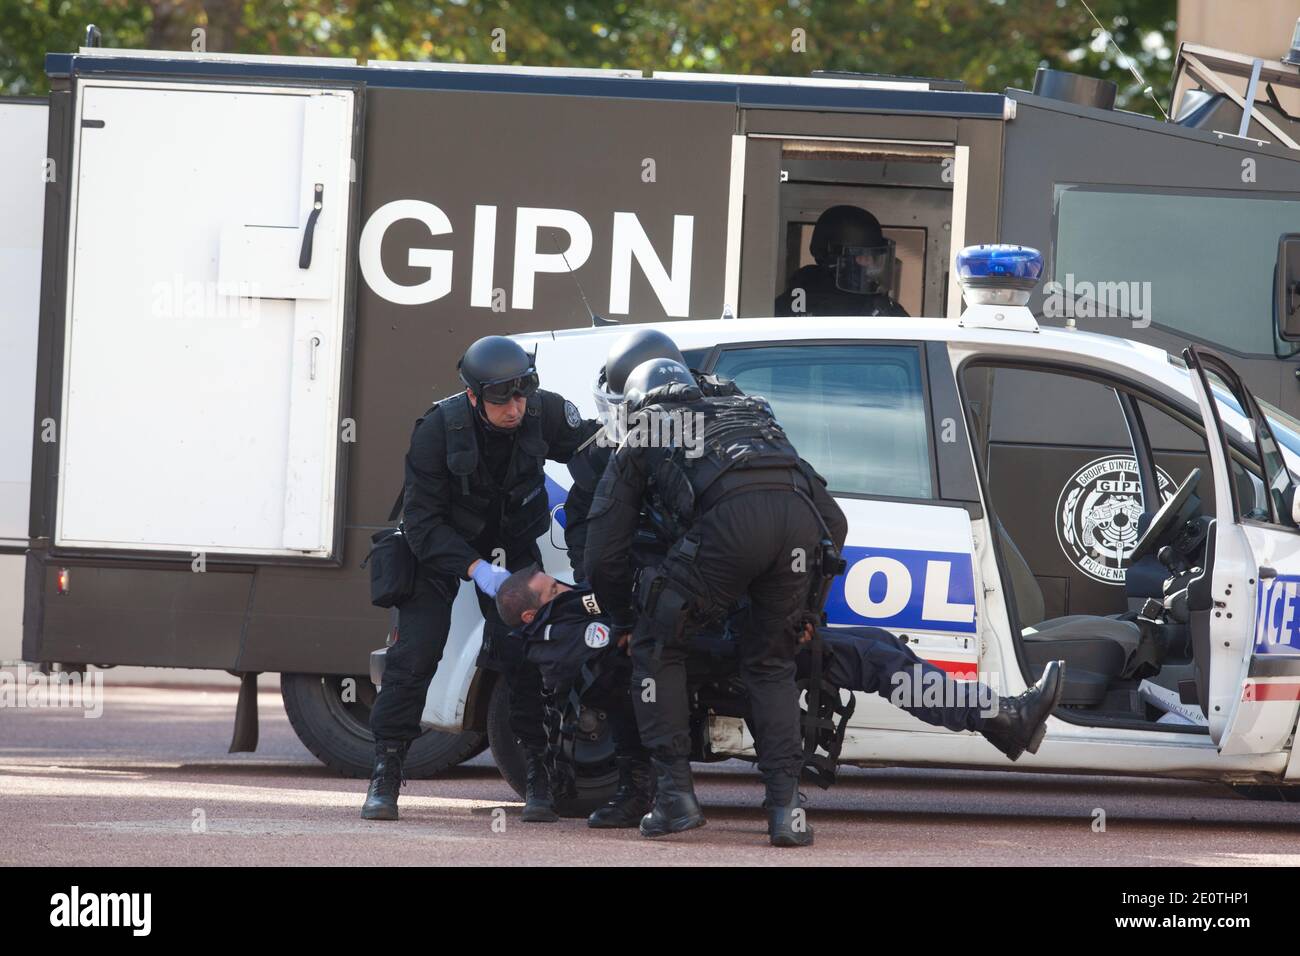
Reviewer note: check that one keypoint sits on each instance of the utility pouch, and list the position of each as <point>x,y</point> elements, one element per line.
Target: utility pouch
<point>668,596</point>
<point>527,512</point>
<point>392,568</point>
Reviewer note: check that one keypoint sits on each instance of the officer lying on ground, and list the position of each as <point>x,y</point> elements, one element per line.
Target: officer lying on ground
<point>565,629</point>
<point>742,508</point>
<point>474,492</point>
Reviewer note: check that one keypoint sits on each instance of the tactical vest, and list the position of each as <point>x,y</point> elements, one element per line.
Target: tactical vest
<point>743,447</point>
<point>524,508</point>
<point>520,504</point>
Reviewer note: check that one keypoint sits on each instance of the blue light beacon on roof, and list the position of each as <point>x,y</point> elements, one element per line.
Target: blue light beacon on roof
<point>996,281</point>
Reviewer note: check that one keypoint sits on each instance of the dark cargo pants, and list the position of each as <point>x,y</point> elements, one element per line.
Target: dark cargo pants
<point>758,544</point>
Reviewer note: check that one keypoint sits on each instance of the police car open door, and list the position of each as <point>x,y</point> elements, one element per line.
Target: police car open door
<point>1245,611</point>
<point>205,312</point>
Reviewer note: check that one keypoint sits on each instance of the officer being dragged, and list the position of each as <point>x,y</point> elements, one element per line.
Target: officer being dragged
<point>853,273</point>
<point>746,515</point>
<point>475,502</point>
<point>569,637</point>
<point>650,544</point>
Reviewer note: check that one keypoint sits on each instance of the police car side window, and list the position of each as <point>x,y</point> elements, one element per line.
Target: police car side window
<point>1179,448</point>
<point>856,412</point>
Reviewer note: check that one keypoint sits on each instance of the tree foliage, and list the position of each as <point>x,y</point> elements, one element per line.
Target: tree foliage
<point>988,44</point>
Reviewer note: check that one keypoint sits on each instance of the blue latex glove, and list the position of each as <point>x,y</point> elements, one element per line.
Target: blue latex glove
<point>488,577</point>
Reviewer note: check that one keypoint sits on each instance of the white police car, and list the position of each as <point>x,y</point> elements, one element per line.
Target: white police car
<point>1199,679</point>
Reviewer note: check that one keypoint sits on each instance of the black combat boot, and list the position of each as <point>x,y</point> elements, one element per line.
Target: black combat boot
<point>787,820</point>
<point>385,781</point>
<point>675,808</point>
<point>1021,721</point>
<point>631,801</point>
<point>539,806</point>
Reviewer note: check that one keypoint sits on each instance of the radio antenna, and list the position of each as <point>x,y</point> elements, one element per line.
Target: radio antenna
<point>596,320</point>
<point>1132,64</point>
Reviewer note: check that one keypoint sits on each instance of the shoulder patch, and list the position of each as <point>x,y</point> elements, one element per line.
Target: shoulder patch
<point>571,414</point>
<point>589,604</point>
<point>597,635</point>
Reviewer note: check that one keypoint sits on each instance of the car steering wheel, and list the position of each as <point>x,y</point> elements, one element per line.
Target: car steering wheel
<point>1165,517</point>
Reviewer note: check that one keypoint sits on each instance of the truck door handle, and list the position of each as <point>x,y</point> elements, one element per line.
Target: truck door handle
<point>315,344</point>
<point>304,256</point>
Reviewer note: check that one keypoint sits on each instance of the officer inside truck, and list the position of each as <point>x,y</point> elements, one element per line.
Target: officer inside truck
<point>853,272</point>
<point>475,503</point>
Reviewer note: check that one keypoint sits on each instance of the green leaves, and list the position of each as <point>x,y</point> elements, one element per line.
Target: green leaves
<point>989,44</point>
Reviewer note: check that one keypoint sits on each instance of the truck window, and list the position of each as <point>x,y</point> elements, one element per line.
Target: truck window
<point>1195,263</point>
<point>856,412</point>
<point>899,194</point>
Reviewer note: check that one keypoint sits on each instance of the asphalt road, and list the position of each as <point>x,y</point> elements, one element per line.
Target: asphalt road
<point>132,787</point>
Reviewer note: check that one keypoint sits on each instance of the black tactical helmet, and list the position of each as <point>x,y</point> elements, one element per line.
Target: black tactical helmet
<point>639,345</point>
<point>842,226</point>
<point>654,374</point>
<point>496,369</point>
<point>848,241</point>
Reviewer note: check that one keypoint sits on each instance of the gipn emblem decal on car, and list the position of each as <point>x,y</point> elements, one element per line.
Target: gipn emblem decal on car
<point>1097,516</point>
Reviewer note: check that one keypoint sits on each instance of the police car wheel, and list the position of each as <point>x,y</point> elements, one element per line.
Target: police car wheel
<point>597,774</point>
<point>333,721</point>
<point>1270,792</point>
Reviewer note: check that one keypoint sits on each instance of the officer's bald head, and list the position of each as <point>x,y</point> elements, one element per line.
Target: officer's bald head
<point>524,593</point>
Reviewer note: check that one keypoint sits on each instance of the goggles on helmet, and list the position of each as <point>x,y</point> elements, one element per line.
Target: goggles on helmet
<point>500,393</point>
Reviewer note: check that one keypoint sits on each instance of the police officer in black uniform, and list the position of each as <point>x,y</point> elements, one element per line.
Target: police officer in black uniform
<point>475,503</point>
<point>588,465</point>
<point>853,273</point>
<point>631,801</point>
<point>749,517</point>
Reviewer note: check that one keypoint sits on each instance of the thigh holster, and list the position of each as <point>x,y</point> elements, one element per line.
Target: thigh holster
<point>825,719</point>
<point>670,596</point>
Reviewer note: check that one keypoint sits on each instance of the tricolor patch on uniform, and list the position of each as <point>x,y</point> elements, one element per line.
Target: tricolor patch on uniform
<point>597,635</point>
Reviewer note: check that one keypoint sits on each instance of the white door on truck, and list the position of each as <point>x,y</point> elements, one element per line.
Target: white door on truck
<point>205,318</point>
<point>22,205</point>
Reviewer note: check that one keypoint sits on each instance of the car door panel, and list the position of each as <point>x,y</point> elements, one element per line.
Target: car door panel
<point>1248,631</point>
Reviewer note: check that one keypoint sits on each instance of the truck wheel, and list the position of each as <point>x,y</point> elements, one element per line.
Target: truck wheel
<point>597,774</point>
<point>338,732</point>
<point>1270,792</point>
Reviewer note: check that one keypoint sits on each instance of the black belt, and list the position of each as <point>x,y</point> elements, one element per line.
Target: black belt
<point>753,479</point>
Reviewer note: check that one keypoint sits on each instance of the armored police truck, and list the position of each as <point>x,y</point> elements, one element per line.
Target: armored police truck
<point>257,271</point>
